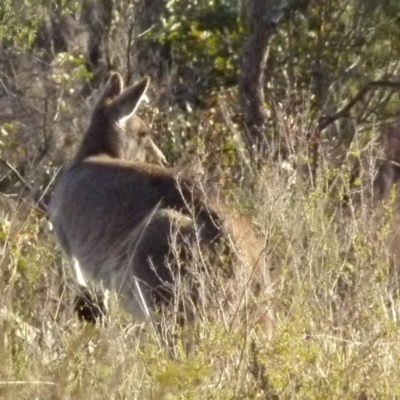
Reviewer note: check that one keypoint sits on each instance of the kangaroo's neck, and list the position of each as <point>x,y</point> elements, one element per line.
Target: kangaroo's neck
<point>101,138</point>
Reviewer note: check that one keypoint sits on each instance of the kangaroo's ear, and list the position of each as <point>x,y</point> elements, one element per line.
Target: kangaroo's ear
<point>112,89</point>
<point>127,103</point>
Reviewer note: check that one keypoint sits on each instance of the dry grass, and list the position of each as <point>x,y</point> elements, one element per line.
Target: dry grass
<point>336,296</point>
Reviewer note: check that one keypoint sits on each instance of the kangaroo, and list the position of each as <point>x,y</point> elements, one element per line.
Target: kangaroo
<point>386,184</point>
<point>139,228</point>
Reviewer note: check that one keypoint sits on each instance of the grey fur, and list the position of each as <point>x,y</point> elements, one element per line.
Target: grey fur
<point>139,228</point>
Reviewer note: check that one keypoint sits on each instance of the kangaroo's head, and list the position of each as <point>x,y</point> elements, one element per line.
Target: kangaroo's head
<point>114,129</point>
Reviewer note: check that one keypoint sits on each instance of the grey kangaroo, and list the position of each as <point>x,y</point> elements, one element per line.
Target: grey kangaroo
<point>142,230</point>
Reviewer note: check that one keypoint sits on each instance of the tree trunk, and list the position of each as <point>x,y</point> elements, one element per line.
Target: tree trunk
<point>251,79</point>
<point>261,19</point>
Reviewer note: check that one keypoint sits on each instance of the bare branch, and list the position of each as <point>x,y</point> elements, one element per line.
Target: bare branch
<point>345,111</point>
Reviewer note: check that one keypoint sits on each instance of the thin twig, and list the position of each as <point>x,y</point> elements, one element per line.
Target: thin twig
<point>40,206</point>
<point>15,172</point>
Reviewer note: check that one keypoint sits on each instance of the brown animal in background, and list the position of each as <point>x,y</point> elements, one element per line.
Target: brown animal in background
<point>142,230</point>
<point>386,179</point>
